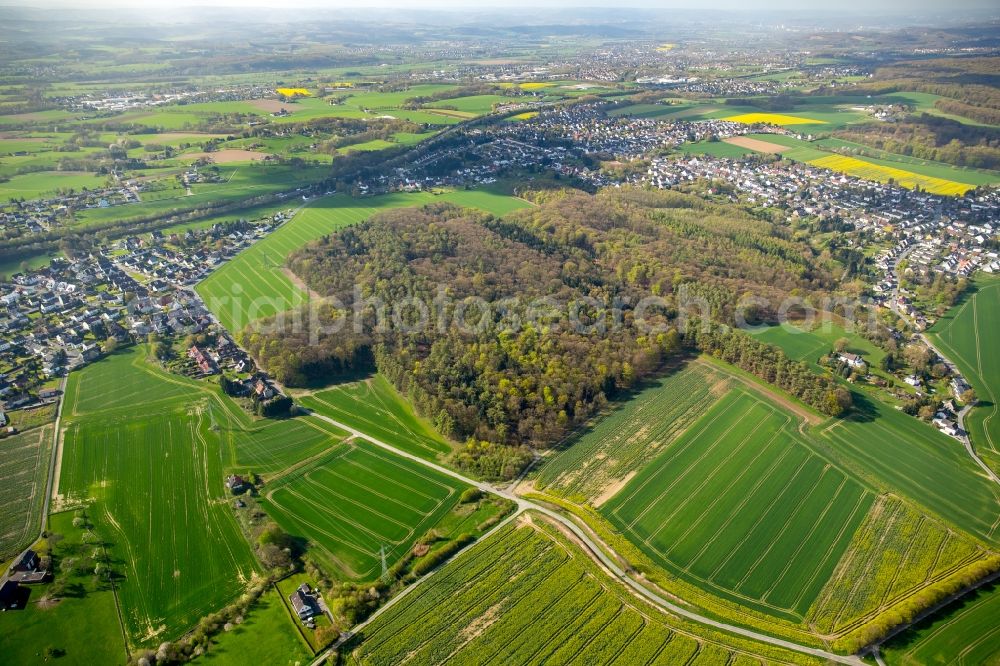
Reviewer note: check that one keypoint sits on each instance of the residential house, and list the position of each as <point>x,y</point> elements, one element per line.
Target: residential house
<point>304,603</point>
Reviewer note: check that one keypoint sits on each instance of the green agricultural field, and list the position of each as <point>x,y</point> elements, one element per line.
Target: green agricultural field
<point>267,446</point>
<point>33,171</point>
<point>248,213</point>
<point>903,455</point>
<point>25,145</point>
<point>35,117</point>
<point>528,596</point>
<point>24,467</point>
<point>967,334</point>
<point>238,183</point>
<point>374,407</point>
<point>740,506</point>
<point>799,150</point>
<point>35,185</point>
<point>963,634</point>
<point>253,285</point>
<point>894,553</point>
<point>357,500</point>
<point>387,100</point>
<point>716,149</point>
<point>409,139</point>
<point>591,466</point>
<point>368,146</point>
<point>120,381</point>
<point>268,633</point>
<point>29,261</point>
<point>475,104</point>
<point>428,117</point>
<point>83,623</point>
<point>150,467</point>
<point>893,451</point>
<point>648,110</point>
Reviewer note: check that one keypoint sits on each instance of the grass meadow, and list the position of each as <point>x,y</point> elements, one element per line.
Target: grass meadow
<point>808,345</point>
<point>83,623</point>
<point>268,633</point>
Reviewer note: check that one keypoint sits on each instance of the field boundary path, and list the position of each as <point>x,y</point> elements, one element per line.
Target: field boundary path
<point>596,552</point>
<point>55,463</point>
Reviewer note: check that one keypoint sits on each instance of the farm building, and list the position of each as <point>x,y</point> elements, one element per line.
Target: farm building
<point>947,426</point>
<point>236,483</point>
<point>10,594</point>
<point>853,360</point>
<point>27,562</point>
<point>26,568</point>
<point>304,602</point>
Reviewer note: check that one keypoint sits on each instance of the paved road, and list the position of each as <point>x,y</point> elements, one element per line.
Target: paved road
<point>964,437</point>
<point>597,551</point>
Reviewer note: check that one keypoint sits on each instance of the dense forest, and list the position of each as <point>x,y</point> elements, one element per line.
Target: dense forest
<point>520,371</point>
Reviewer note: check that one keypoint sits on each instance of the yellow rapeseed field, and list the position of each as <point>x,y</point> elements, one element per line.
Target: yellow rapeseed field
<point>882,174</point>
<point>294,92</point>
<point>773,119</point>
<point>528,85</point>
<point>527,115</point>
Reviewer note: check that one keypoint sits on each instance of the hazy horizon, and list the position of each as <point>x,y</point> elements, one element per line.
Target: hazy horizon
<point>860,7</point>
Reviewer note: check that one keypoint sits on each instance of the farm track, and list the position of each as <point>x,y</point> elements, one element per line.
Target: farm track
<point>55,465</point>
<point>593,549</point>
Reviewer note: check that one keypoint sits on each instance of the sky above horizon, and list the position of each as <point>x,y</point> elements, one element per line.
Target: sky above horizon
<point>796,6</point>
